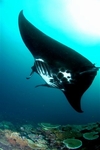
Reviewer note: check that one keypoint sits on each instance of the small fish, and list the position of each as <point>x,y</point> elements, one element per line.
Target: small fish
<point>60,66</point>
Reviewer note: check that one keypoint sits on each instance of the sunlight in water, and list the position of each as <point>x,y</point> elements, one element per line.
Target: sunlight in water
<point>79,19</point>
<point>85,15</point>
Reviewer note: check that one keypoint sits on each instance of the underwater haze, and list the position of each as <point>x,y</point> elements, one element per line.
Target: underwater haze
<point>75,24</point>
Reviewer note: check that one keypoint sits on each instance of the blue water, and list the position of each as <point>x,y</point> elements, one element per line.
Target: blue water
<point>20,101</point>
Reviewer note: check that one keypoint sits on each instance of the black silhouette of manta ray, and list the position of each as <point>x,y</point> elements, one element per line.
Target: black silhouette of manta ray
<point>60,66</point>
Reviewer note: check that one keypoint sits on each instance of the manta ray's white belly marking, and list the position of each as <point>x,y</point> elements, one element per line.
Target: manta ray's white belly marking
<point>53,79</point>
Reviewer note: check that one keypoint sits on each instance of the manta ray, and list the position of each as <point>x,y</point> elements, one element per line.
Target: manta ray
<point>60,66</point>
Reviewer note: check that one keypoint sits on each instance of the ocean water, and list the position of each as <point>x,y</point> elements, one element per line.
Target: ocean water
<point>20,101</point>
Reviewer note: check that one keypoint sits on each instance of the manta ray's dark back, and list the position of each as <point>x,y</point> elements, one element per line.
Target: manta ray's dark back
<point>60,66</point>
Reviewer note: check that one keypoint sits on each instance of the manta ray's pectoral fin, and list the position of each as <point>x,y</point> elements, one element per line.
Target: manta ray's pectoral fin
<point>73,95</point>
<point>92,70</point>
<point>74,92</point>
<point>33,70</point>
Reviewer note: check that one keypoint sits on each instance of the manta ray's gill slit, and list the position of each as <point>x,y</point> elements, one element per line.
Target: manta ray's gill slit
<point>39,59</point>
<point>37,67</point>
<point>43,70</point>
<point>42,66</point>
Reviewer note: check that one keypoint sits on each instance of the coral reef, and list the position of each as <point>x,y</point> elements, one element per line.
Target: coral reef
<point>47,126</point>
<point>15,140</point>
<point>46,136</point>
<point>72,143</point>
<point>91,135</point>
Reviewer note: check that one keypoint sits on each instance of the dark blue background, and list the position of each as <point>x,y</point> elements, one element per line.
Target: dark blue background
<point>20,101</point>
